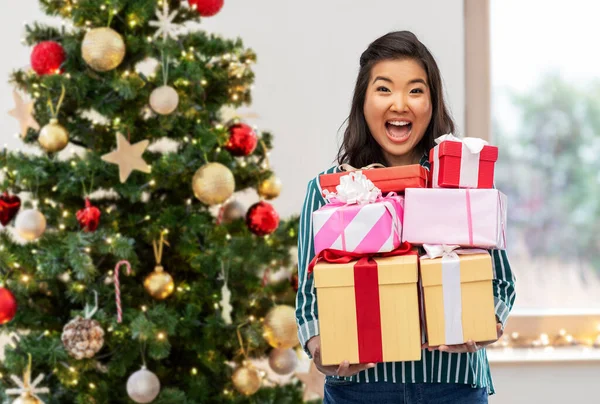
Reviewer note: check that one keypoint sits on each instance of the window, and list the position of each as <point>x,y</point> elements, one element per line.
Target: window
<point>545,117</point>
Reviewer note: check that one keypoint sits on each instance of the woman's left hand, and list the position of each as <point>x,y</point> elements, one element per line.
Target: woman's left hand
<point>470,346</point>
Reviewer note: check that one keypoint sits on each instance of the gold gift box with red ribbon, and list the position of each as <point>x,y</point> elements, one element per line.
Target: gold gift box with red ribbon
<point>368,306</point>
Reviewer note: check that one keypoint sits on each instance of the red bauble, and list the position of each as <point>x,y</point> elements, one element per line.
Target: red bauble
<point>89,217</point>
<point>242,140</point>
<point>47,57</point>
<point>9,206</point>
<point>8,306</point>
<point>262,218</point>
<point>207,8</point>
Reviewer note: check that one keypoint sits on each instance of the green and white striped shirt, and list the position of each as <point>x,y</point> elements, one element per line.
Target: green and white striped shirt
<point>435,366</point>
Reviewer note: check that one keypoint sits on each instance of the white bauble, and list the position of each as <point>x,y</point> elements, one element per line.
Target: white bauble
<point>164,100</point>
<point>143,386</point>
<point>30,224</point>
<point>283,361</point>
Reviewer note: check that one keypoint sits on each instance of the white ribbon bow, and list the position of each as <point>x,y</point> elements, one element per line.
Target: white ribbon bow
<point>354,188</point>
<point>474,144</point>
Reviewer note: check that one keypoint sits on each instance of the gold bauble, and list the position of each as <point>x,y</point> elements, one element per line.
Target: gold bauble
<point>270,188</point>
<point>246,380</point>
<point>26,398</point>
<point>164,100</point>
<point>213,183</point>
<point>280,327</point>
<point>53,137</point>
<point>159,284</point>
<point>103,49</point>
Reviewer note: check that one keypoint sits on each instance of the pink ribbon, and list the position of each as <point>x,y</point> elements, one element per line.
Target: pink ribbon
<point>469,217</point>
<point>118,287</point>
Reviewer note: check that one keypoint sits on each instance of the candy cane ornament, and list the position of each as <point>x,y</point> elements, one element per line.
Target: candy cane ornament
<point>118,288</point>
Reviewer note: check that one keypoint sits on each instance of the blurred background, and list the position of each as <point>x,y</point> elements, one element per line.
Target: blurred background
<point>523,74</point>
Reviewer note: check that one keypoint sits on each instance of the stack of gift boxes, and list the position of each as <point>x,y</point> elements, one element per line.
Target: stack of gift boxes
<point>393,241</point>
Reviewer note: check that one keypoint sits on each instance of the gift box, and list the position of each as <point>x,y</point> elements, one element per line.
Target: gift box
<point>387,179</point>
<point>462,163</point>
<point>358,219</point>
<point>369,309</point>
<point>458,296</point>
<point>467,217</point>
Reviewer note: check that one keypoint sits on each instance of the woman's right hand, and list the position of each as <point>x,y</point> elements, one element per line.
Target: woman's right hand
<point>345,369</point>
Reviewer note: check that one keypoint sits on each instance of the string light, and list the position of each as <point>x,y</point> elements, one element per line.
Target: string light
<point>25,278</point>
<point>92,386</point>
<point>144,308</point>
<point>161,336</point>
<point>194,371</point>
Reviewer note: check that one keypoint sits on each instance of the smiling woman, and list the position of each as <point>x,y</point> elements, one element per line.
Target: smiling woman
<point>398,109</point>
<point>398,83</point>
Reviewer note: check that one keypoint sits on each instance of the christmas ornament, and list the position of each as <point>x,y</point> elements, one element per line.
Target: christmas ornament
<point>159,284</point>
<point>47,57</point>
<point>143,386</point>
<point>103,49</point>
<point>23,113</point>
<point>27,390</point>
<point>128,157</point>
<point>9,207</point>
<point>8,305</point>
<point>206,8</point>
<point>164,100</point>
<point>280,327</point>
<point>225,302</point>
<point>30,224</point>
<point>83,337</point>
<point>246,380</point>
<point>213,183</point>
<point>118,287</point>
<point>164,24</point>
<point>53,137</point>
<point>283,361</point>
<point>231,211</point>
<point>314,383</point>
<point>262,218</point>
<point>88,217</point>
<point>270,188</point>
<point>242,140</point>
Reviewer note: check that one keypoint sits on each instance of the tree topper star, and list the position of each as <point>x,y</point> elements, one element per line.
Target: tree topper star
<point>165,25</point>
<point>23,113</point>
<point>128,157</point>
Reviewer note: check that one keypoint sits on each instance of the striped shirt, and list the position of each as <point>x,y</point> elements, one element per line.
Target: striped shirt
<point>435,366</point>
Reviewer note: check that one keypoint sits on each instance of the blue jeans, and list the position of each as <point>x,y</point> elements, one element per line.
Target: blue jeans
<point>345,392</point>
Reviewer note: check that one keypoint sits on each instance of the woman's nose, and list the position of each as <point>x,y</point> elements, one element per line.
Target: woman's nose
<point>398,104</point>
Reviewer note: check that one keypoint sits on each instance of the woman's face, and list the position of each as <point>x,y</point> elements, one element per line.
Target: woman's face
<point>398,108</point>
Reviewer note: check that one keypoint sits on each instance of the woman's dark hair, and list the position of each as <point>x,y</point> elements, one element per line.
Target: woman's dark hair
<point>359,148</point>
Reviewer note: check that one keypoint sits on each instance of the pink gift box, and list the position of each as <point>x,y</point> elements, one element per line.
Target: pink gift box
<point>465,217</point>
<point>360,228</point>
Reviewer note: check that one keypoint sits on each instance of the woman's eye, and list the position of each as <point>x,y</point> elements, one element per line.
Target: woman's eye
<point>382,88</point>
<point>416,91</point>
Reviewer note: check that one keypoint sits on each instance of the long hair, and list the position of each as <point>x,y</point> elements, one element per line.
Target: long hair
<point>359,148</point>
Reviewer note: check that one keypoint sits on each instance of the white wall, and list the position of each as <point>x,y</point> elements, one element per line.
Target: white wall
<point>308,54</point>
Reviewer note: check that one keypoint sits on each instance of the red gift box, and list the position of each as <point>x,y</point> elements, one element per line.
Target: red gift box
<point>387,179</point>
<point>451,171</point>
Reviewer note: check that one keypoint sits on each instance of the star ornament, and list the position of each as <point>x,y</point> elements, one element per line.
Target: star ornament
<point>128,157</point>
<point>165,26</point>
<point>23,112</point>
<point>314,383</point>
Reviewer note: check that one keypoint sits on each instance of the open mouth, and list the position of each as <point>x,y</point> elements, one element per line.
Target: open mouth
<point>398,131</point>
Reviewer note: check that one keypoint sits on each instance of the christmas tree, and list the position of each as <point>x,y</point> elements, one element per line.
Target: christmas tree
<point>129,272</point>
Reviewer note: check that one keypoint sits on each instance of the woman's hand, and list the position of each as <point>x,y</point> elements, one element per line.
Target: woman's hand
<point>470,346</point>
<point>345,369</point>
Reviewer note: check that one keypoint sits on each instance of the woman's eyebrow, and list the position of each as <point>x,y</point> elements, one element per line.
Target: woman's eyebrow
<point>413,81</point>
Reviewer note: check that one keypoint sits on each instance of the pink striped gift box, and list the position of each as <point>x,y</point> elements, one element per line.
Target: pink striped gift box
<point>359,228</point>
